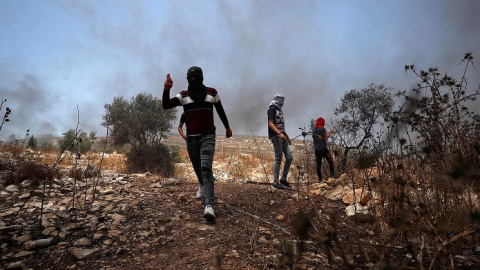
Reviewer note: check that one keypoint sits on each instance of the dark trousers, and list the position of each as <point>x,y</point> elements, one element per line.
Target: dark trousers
<point>319,155</point>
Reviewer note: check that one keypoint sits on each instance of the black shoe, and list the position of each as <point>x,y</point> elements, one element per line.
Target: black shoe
<point>278,185</point>
<point>285,183</point>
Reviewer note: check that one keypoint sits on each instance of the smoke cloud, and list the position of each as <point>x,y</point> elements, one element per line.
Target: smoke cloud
<point>69,58</point>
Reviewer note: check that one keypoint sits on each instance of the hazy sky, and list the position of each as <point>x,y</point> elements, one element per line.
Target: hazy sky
<point>57,55</point>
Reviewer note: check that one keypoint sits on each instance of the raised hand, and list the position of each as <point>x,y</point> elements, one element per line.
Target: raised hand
<point>168,83</point>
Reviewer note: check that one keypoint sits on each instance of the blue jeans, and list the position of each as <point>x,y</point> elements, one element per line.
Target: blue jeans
<point>281,148</point>
<point>201,149</point>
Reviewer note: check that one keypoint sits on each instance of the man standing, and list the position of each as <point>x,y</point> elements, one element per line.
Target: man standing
<point>320,137</point>
<point>198,102</point>
<point>280,140</point>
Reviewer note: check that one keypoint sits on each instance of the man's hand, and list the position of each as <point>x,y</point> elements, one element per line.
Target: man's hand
<point>228,133</point>
<point>282,137</point>
<point>168,83</point>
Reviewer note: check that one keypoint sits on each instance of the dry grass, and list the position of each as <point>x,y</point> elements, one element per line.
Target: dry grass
<point>114,161</point>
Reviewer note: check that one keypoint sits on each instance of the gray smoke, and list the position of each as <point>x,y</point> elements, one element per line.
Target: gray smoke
<point>310,51</point>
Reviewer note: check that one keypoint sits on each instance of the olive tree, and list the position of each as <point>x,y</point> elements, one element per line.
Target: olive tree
<point>357,115</point>
<point>141,123</point>
<point>75,141</point>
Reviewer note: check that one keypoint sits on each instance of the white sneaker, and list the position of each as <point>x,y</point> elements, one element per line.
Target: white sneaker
<point>200,193</point>
<point>208,214</point>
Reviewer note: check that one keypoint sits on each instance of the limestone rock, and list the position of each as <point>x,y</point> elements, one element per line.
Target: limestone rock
<point>39,243</point>
<point>16,266</point>
<point>81,253</point>
<point>23,253</point>
<point>22,239</point>
<point>337,192</point>
<point>359,213</point>
<point>360,195</point>
<point>82,242</point>
<point>12,188</point>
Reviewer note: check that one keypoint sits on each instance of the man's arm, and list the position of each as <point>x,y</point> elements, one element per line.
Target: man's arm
<point>223,116</point>
<point>180,130</point>
<point>329,134</point>
<point>288,138</point>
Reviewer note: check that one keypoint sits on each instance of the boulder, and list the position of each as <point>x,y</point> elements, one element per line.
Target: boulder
<point>359,213</point>
<point>359,195</point>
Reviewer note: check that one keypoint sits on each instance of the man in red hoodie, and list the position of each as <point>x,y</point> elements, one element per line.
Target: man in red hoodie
<point>320,137</point>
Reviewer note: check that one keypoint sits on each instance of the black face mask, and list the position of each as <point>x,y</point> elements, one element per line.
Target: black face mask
<point>196,90</point>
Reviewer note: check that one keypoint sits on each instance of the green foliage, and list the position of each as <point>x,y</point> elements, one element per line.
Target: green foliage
<point>93,136</point>
<point>141,123</point>
<point>75,142</point>
<point>32,142</point>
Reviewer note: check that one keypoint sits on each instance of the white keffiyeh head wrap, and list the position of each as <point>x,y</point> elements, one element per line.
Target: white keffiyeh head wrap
<point>278,100</point>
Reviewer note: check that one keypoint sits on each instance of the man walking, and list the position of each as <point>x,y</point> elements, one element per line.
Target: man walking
<point>198,102</point>
<point>280,140</point>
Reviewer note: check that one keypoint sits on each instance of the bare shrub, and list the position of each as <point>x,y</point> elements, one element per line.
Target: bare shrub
<point>15,170</point>
<point>158,159</point>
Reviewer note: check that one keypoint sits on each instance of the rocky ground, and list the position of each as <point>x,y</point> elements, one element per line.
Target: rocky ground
<point>144,222</point>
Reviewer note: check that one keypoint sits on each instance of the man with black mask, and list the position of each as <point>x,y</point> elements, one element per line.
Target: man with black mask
<point>198,102</point>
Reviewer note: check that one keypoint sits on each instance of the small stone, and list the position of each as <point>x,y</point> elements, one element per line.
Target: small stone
<point>144,233</point>
<point>39,243</point>
<point>48,231</point>
<point>16,265</point>
<point>114,233</point>
<point>82,242</point>
<point>11,188</point>
<point>118,219</point>
<point>61,214</point>
<point>97,236</point>
<point>26,183</point>
<point>37,192</point>
<point>24,196</point>
<point>63,234</point>
<point>81,253</point>
<point>205,227</point>
<point>280,218</point>
<point>22,239</point>
<point>23,253</point>
<point>108,242</point>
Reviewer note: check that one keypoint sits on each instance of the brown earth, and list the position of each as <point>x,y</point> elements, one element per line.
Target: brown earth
<point>257,227</point>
